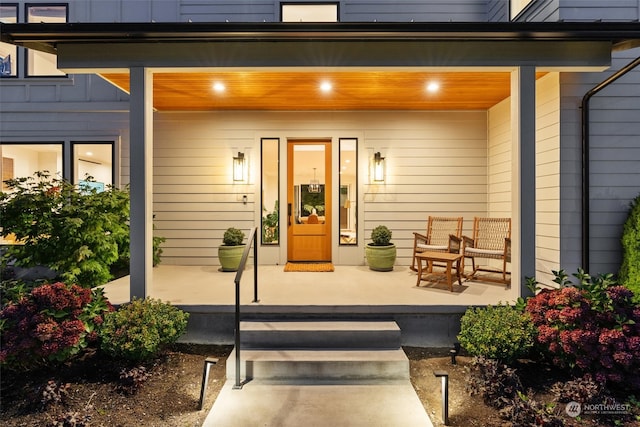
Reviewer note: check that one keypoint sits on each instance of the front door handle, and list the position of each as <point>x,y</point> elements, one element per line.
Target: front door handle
<point>289,213</point>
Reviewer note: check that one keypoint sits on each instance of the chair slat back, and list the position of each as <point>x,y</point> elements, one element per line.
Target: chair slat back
<point>440,227</point>
<point>489,233</point>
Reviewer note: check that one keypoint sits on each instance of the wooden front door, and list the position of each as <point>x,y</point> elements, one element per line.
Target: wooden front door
<point>309,200</point>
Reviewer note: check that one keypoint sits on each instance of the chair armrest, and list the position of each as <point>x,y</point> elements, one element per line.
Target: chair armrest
<point>507,249</point>
<point>454,244</point>
<point>417,237</point>
<point>468,241</point>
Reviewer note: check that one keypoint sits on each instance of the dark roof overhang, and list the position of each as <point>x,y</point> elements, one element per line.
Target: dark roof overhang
<point>48,36</point>
<point>108,47</point>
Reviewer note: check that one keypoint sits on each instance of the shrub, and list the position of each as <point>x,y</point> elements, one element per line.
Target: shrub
<point>54,323</point>
<point>495,382</point>
<point>497,332</point>
<point>233,237</point>
<point>585,389</point>
<point>501,388</point>
<point>629,274</point>
<point>141,329</point>
<point>77,232</point>
<point>593,327</point>
<point>131,379</point>
<point>380,236</point>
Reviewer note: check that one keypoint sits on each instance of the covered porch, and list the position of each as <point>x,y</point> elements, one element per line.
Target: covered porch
<point>427,314</point>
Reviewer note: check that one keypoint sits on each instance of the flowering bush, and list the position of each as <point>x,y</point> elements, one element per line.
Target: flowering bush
<point>593,327</point>
<point>54,322</point>
<point>139,330</point>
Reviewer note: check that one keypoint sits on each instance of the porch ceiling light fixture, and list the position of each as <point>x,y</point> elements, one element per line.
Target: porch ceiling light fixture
<point>314,184</point>
<point>378,167</point>
<point>238,167</point>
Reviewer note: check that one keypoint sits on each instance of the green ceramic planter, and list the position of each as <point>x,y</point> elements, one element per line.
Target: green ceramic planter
<point>230,256</point>
<point>380,258</point>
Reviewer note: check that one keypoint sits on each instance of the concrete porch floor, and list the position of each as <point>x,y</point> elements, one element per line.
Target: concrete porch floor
<point>347,286</point>
<point>428,315</point>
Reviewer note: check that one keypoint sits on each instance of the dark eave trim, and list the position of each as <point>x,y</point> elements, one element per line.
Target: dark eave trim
<point>47,36</point>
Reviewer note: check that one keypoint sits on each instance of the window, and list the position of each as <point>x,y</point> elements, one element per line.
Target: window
<point>518,6</point>
<point>40,63</point>
<point>309,12</point>
<point>348,191</point>
<point>93,160</point>
<point>22,160</point>
<point>270,191</point>
<point>8,52</point>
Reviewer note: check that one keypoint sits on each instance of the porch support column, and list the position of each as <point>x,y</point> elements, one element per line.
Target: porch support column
<point>141,180</point>
<point>523,175</point>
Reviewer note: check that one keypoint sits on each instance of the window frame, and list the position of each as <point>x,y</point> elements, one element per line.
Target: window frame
<point>76,142</point>
<point>283,4</point>
<point>18,55</point>
<point>352,194</point>
<point>27,7</point>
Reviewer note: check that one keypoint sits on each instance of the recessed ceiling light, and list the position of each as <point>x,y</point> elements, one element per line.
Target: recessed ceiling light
<point>219,87</point>
<point>326,86</point>
<point>433,87</point>
<point>89,153</point>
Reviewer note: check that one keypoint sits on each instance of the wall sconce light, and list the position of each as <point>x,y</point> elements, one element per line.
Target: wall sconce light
<point>378,167</point>
<point>238,167</point>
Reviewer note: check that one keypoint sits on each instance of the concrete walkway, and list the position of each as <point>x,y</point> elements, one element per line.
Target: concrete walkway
<point>309,405</point>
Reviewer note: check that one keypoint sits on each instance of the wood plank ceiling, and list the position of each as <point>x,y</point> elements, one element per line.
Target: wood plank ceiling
<point>300,90</point>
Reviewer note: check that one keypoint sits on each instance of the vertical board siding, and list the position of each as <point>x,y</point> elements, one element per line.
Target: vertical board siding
<point>436,166</point>
<point>614,159</point>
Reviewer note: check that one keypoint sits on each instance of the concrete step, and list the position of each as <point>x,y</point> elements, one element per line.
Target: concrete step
<point>320,334</point>
<point>314,366</point>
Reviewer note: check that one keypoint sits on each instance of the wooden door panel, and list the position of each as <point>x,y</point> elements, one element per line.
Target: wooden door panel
<point>308,242</point>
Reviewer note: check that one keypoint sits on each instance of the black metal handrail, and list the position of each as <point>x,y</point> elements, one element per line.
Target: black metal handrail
<point>243,263</point>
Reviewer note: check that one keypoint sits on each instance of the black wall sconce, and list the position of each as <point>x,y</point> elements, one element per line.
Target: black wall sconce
<point>378,167</point>
<point>238,167</point>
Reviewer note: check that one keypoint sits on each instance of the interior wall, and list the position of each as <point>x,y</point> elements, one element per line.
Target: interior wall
<point>436,164</point>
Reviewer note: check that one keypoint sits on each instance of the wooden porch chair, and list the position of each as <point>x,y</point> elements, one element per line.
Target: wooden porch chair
<point>437,237</point>
<point>491,240</point>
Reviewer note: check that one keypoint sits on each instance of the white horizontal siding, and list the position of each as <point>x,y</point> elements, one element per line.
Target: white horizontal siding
<point>547,171</point>
<point>436,164</point>
<point>547,177</point>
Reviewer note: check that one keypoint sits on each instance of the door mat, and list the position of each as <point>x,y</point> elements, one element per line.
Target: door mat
<point>309,266</point>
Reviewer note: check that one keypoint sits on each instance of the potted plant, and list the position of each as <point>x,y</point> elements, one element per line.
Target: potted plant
<point>380,253</point>
<point>230,252</point>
